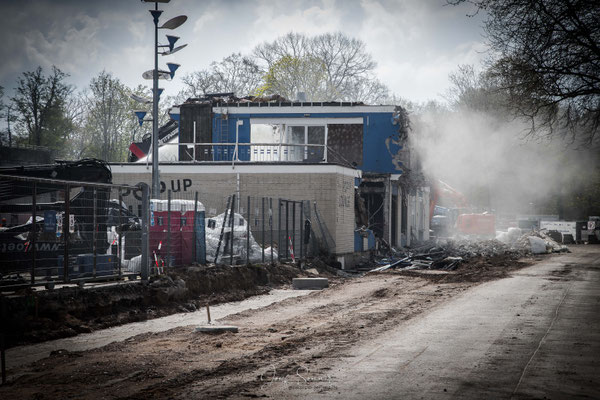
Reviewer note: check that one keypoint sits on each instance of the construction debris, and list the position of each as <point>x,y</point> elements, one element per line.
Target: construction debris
<point>448,255</point>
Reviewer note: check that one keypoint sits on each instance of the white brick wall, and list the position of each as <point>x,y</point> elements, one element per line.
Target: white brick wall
<point>333,191</point>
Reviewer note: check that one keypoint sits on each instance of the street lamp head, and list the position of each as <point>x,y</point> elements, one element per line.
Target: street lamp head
<point>173,67</point>
<point>140,99</point>
<point>150,74</point>
<point>175,50</point>
<point>174,22</point>
<point>172,40</point>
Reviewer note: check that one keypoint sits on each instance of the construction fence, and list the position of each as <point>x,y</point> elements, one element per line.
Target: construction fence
<point>235,229</point>
<point>57,231</point>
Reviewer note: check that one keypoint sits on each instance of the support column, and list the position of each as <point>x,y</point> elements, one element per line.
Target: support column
<point>399,215</point>
<point>387,211</point>
<point>427,218</point>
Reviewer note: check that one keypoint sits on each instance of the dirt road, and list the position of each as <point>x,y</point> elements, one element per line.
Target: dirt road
<point>533,335</point>
<point>374,337</point>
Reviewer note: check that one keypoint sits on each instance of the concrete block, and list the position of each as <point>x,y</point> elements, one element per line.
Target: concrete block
<point>310,283</point>
<point>217,329</point>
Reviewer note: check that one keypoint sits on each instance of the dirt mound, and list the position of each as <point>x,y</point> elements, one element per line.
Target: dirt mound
<point>45,315</point>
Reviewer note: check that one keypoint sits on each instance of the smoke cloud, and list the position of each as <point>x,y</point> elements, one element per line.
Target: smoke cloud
<point>492,162</point>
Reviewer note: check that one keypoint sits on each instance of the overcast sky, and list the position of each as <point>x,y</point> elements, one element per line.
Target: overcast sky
<point>416,43</point>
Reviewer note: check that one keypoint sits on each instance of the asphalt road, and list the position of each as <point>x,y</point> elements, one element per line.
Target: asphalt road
<point>535,334</point>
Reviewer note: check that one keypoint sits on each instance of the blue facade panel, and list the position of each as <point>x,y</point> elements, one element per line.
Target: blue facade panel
<point>224,131</point>
<point>380,144</point>
<point>380,137</point>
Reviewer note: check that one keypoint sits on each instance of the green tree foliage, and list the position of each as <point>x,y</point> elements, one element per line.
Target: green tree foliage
<point>546,59</point>
<point>290,75</point>
<point>40,104</point>
<point>108,121</point>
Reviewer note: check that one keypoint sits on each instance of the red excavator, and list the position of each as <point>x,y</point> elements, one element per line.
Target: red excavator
<point>449,211</point>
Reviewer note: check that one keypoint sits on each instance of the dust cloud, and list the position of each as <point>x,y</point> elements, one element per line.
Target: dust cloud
<point>494,163</point>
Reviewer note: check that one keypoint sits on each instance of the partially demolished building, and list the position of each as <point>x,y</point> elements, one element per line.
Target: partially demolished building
<point>351,159</point>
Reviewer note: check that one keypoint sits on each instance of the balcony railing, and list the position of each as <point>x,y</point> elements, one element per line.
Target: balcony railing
<point>251,152</point>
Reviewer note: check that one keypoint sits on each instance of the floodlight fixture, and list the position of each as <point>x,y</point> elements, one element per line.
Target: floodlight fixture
<point>140,99</point>
<point>173,67</point>
<point>175,50</point>
<point>173,23</point>
<point>161,74</point>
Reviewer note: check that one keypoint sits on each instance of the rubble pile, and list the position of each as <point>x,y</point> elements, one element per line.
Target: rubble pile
<point>537,242</point>
<point>540,243</point>
<point>448,255</point>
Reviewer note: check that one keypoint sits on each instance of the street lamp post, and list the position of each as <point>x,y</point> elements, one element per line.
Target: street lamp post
<point>155,76</point>
<point>155,174</point>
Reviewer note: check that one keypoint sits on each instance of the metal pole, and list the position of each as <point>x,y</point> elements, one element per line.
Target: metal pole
<point>287,228</point>
<point>294,227</point>
<point>66,219</point>
<point>248,233</point>
<point>155,174</point>
<point>95,233</point>
<point>301,232</point>
<point>271,225</point>
<point>279,231</point>
<point>169,228</point>
<point>194,235</point>
<point>144,272</point>
<point>222,231</point>
<point>263,229</point>
<point>232,225</point>
<point>33,231</point>
<point>2,344</point>
<point>120,231</point>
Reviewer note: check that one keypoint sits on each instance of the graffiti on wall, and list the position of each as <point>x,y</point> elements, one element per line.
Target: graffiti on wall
<point>345,199</point>
<point>176,185</point>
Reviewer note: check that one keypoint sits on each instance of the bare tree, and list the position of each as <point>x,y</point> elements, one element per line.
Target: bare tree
<point>292,44</point>
<point>235,73</point>
<point>198,83</point>
<point>368,90</point>
<point>546,58</point>
<point>344,68</point>
<point>346,63</point>
<point>478,91</point>
<point>328,67</point>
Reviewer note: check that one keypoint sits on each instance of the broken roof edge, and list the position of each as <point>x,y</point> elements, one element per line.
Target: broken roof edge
<point>229,99</point>
<point>245,167</point>
<point>300,108</point>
